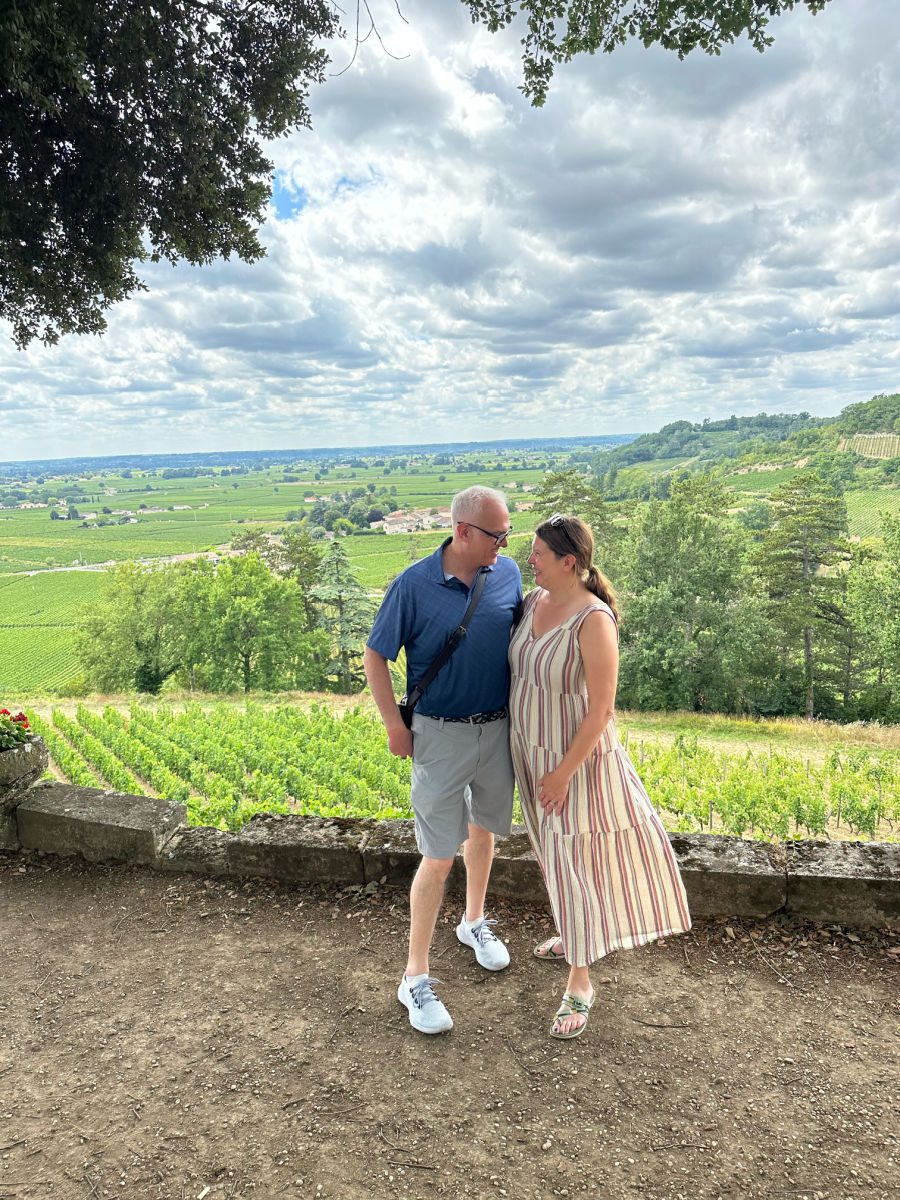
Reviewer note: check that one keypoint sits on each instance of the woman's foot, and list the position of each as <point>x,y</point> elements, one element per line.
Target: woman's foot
<point>551,950</point>
<point>572,1016</point>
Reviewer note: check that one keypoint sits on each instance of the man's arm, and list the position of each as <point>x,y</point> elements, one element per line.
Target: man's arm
<point>400,739</point>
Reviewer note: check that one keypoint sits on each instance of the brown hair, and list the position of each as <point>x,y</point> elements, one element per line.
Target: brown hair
<point>570,535</point>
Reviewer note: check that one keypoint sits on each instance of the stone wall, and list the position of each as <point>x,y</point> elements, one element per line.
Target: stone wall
<point>851,883</point>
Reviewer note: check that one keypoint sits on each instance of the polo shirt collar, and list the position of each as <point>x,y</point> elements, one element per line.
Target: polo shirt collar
<point>436,564</point>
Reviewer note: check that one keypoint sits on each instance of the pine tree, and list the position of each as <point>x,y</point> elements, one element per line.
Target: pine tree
<point>799,558</point>
<point>346,612</point>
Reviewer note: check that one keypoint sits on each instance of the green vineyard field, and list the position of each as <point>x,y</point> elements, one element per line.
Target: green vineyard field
<point>36,660</point>
<point>38,615</point>
<point>865,510</point>
<point>876,445</point>
<point>232,761</point>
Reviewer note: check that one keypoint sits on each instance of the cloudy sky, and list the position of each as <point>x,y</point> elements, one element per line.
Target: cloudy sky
<point>663,240</point>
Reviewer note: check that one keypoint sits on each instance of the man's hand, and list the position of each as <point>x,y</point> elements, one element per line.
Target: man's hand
<point>400,741</point>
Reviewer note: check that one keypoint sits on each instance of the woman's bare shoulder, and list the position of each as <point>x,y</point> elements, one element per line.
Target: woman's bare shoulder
<point>599,622</point>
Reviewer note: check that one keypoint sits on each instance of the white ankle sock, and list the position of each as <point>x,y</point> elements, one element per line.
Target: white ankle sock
<point>412,980</point>
<point>470,925</point>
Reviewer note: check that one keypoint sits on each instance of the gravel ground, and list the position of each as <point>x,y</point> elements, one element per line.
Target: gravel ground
<point>177,1038</point>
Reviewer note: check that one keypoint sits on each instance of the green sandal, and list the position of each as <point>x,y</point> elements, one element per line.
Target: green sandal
<point>546,953</point>
<point>572,1006</point>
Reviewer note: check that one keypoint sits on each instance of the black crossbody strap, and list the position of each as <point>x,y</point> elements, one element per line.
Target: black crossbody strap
<point>455,638</point>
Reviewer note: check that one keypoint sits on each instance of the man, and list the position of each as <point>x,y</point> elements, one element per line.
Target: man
<point>462,780</point>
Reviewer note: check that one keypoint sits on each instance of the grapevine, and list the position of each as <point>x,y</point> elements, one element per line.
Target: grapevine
<point>230,762</point>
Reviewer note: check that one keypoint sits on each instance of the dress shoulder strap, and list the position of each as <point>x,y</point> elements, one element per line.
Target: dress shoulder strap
<point>597,606</point>
<point>531,600</point>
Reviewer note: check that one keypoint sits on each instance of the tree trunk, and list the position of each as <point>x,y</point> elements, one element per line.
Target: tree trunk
<point>245,663</point>
<point>848,675</point>
<point>808,670</point>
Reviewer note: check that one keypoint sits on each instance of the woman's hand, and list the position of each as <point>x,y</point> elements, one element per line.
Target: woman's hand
<point>553,791</point>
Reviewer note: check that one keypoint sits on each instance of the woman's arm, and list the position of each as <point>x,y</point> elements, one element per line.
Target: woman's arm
<point>600,653</point>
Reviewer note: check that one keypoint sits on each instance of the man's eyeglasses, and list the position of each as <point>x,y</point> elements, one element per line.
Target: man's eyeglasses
<point>497,537</point>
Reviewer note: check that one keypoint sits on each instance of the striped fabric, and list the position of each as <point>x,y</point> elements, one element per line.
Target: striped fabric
<point>609,868</point>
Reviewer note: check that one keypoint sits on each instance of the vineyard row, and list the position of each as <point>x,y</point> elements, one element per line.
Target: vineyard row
<point>229,763</point>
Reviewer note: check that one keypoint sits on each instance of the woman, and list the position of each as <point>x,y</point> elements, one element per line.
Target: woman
<point>609,869</point>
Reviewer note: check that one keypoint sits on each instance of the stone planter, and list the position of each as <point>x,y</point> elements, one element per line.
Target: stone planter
<point>19,769</point>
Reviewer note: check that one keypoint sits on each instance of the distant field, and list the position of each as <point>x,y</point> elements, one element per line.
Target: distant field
<point>35,660</point>
<point>876,445</point>
<point>30,540</point>
<point>864,509</point>
<point>38,612</point>
<point>761,481</point>
<point>376,560</point>
<point>38,615</point>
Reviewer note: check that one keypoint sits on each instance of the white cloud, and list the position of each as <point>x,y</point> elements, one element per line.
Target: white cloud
<point>663,239</point>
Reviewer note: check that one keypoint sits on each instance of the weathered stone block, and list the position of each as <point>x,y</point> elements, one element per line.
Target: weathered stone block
<point>725,876</point>
<point>62,819</point>
<point>389,851</point>
<point>202,851</point>
<point>851,883</point>
<point>298,849</point>
<point>19,769</point>
<point>516,871</point>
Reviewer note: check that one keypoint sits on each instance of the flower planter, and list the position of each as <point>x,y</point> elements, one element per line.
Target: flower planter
<point>19,769</point>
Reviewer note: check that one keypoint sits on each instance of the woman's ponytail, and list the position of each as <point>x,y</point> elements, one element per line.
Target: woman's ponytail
<point>597,583</point>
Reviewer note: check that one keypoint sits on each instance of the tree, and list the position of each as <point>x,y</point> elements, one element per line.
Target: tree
<point>135,637</point>
<point>873,603</point>
<point>346,613</point>
<point>798,558</point>
<point>756,517</point>
<point>557,30</point>
<point>132,130</point>
<point>693,631</point>
<point>252,622</point>
<point>301,561</point>
<point>235,625</point>
<point>573,493</point>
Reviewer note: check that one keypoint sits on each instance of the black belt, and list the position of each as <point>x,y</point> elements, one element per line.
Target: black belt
<point>484,718</point>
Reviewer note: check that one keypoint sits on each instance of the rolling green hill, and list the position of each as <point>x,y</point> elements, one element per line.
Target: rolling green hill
<point>184,511</point>
<point>859,449</point>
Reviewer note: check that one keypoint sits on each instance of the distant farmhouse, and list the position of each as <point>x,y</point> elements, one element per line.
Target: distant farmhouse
<point>414,520</point>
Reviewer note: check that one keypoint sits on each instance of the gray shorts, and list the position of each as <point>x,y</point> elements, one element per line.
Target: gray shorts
<point>461,773</point>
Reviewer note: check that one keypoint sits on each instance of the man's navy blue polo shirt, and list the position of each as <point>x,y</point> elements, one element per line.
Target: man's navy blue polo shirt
<point>420,611</point>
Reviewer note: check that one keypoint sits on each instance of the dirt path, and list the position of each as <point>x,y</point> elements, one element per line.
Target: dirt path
<point>170,1037</point>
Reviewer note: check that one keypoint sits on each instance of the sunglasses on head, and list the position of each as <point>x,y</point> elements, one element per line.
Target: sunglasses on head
<point>558,521</point>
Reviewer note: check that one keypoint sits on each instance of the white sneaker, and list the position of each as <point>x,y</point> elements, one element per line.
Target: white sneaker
<point>489,950</point>
<point>426,1012</point>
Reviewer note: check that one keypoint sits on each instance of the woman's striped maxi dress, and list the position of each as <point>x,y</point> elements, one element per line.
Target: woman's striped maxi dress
<point>607,862</point>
